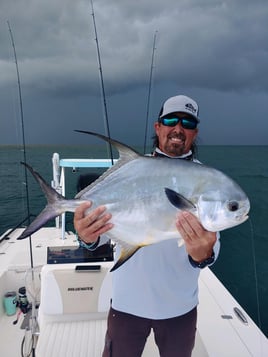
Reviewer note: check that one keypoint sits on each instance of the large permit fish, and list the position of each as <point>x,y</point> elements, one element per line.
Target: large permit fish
<point>144,194</point>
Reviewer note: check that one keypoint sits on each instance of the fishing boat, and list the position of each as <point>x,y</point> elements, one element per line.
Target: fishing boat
<point>56,295</point>
<point>63,310</point>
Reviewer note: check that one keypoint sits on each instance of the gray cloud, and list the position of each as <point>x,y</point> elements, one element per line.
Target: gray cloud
<point>202,47</point>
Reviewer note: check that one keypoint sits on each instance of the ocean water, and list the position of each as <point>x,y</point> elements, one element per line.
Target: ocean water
<point>243,262</point>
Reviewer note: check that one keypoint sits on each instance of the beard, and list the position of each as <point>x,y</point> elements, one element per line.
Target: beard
<point>175,145</point>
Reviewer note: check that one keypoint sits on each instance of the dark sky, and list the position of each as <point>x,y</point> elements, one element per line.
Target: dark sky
<point>215,51</point>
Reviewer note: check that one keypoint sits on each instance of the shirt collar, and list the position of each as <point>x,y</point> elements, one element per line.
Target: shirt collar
<point>188,156</point>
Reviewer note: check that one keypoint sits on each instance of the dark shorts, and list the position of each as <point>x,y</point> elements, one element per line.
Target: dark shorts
<point>126,335</point>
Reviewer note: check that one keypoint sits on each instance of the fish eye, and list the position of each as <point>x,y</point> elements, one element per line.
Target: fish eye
<point>233,206</point>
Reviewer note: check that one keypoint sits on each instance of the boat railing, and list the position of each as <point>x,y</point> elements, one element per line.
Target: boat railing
<point>58,182</point>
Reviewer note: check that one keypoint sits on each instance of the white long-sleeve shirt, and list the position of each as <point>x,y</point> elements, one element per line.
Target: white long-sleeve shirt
<point>157,282</point>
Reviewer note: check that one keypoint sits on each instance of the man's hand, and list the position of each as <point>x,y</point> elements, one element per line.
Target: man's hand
<point>89,227</point>
<point>199,242</point>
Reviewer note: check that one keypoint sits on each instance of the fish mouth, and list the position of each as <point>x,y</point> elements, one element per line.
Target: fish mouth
<point>244,213</point>
<point>241,218</point>
<point>245,217</point>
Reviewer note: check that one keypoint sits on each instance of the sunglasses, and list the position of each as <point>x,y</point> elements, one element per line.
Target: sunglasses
<point>186,123</point>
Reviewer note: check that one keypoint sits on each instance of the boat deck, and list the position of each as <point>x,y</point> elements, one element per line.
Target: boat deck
<point>14,263</point>
<point>220,332</point>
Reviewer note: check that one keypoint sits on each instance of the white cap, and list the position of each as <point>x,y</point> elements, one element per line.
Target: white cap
<point>180,103</point>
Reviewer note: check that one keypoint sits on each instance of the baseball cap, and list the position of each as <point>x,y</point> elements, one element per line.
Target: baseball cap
<point>180,103</point>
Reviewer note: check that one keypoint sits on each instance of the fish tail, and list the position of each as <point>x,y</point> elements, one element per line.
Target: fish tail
<point>46,215</point>
<point>56,205</point>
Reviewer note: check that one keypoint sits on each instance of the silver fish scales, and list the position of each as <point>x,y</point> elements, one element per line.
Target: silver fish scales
<point>144,194</point>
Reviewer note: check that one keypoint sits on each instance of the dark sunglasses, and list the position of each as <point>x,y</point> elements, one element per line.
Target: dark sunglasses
<point>186,123</point>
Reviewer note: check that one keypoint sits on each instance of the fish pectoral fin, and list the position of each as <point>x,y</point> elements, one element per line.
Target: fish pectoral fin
<point>126,252</point>
<point>178,200</point>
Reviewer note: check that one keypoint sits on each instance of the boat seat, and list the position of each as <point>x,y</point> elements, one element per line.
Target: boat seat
<point>73,310</point>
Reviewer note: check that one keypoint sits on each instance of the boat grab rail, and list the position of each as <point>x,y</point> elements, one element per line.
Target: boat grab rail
<point>58,182</point>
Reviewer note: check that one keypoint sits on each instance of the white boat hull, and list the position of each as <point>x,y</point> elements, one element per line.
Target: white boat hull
<point>220,333</point>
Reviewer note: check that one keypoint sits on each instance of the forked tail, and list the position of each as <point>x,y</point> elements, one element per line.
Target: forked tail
<point>56,205</point>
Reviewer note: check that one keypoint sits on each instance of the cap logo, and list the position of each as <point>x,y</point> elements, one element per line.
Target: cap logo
<point>190,107</point>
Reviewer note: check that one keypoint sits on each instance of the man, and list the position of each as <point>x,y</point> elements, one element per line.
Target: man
<point>157,288</point>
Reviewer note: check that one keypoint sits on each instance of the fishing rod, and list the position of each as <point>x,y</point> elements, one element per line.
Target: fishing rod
<point>149,94</point>
<point>23,138</point>
<point>106,120</point>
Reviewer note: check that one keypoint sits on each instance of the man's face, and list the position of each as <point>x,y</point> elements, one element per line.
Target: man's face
<point>175,140</point>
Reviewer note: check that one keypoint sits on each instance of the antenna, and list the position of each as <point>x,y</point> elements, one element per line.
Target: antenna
<point>106,121</point>
<point>149,94</point>
<point>23,139</point>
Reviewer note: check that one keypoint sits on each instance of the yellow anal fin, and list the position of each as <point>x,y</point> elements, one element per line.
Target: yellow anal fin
<point>126,253</point>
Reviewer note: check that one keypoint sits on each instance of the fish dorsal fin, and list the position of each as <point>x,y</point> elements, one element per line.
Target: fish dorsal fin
<point>126,154</point>
<point>178,200</point>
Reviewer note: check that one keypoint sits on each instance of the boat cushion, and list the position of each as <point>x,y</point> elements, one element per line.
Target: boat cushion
<point>73,338</point>
<point>73,311</point>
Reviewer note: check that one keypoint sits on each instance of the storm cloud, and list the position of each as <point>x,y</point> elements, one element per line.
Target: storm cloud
<point>215,51</point>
